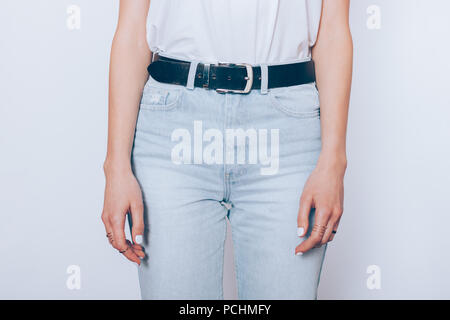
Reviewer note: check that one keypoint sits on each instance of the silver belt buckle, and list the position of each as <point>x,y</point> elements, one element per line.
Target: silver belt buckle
<point>249,78</point>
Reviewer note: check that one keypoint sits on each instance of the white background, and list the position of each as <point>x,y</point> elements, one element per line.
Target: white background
<point>53,108</point>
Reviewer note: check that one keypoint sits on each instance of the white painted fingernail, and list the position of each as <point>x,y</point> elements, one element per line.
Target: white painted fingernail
<point>138,239</point>
<point>299,253</point>
<point>300,231</point>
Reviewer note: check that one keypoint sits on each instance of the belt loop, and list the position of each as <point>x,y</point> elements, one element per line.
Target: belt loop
<point>192,74</point>
<point>264,78</point>
<point>206,68</point>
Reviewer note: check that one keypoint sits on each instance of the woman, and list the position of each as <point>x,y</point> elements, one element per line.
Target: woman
<point>202,140</point>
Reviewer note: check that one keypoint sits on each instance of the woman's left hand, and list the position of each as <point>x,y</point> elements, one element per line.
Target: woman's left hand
<point>324,191</point>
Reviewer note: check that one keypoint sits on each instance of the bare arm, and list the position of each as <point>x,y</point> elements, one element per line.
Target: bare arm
<point>333,55</point>
<point>129,58</point>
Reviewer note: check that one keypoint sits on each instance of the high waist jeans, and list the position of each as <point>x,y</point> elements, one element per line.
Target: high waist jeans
<point>202,157</point>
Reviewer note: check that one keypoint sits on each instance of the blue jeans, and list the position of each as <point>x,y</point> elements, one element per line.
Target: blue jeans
<point>202,157</point>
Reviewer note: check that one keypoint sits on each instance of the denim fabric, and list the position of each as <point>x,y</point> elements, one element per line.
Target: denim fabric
<point>189,194</point>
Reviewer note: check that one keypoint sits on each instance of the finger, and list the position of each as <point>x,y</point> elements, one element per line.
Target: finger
<point>110,238</point>
<point>316,236</point>
<point>118,234</point>
<point>119,241</point>
<point>139,253</point>
<point>106,223</point>
<point>137,218</point>
<point>139,250</point>
<point>108,228</point>
<point>137,247</point>
<point>303,215</point>
<point>328,232</point>
<point>335,227</point>
<point>324,216</point>
<point>129,253</point>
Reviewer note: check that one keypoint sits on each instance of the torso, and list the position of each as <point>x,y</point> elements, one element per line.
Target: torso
<point>239,31</point>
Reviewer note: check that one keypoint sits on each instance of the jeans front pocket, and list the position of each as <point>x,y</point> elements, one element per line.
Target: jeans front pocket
<point>300,101</point>
<point>158,96</point>
<point>160,108</point>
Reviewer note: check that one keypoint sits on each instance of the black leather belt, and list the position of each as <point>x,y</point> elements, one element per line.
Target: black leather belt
<point>231,77</point>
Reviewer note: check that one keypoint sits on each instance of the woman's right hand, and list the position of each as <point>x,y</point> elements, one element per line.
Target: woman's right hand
<point>122,196</point>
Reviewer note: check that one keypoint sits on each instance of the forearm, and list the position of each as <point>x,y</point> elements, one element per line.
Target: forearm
<point>333,54</point>
<point>129,58</point>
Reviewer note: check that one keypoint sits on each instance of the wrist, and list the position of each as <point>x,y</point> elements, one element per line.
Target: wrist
<point>112,165</point>
<point>333,160</point>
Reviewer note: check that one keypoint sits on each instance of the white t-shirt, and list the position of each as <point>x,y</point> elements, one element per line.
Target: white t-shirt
<point>239,31</point>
